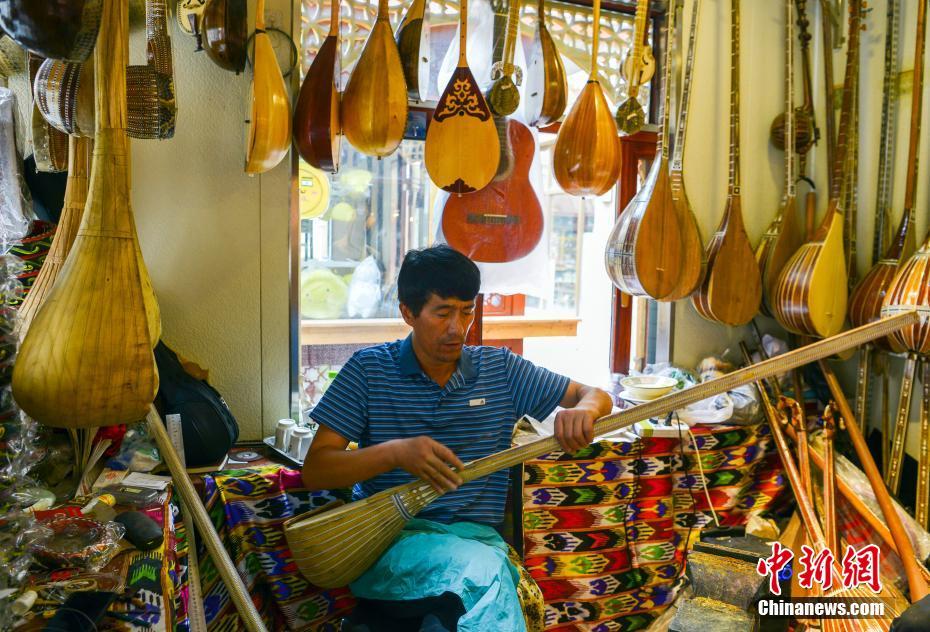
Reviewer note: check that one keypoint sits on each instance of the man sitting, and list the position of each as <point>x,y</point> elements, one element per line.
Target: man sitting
<point>419,408</point>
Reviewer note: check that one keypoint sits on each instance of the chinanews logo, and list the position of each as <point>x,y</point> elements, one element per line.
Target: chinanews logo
<point>840,589</point>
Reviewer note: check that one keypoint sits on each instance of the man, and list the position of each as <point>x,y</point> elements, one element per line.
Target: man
<point>422,406</point>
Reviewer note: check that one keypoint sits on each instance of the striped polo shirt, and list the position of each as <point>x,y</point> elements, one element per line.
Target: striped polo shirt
<point>382,393</point>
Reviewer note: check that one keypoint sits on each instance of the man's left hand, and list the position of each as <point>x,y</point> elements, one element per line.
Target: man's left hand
<point>574,428</point>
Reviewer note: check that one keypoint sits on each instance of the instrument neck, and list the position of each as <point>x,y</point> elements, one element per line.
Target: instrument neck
<point>463,32</point>
<point>541,12</point>
<point>886,145</point>
<point>383,13</point>
<point>595,39</point>
<point>680,130</point>
<point>510,43</point>
<point>334,17</point>
<point>666,83</point>
<point>110,60</point>
<point>910,187</point>
<point>849,93</point>
<point>789,133</point>
<point>639,37</point>
<point>260,15</point>
<point>734,97</point>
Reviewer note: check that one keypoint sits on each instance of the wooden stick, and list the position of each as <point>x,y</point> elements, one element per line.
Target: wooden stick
<point>916,583</point>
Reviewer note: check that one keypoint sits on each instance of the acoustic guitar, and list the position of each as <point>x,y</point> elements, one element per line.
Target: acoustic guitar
<point>413,47</point>
<point>586,157</point>
<point>692,264</point>
<point>644,250</point>
<point>503,221</point>
<point>317,123</point>
<point>731,290</point>
<point>64,29</point>
<point>637,68</point>
<point>811,292</point>
<point>504,95</point>
<point>374,105</point>
<point>269,135</point>
<point>462,149</point>
<point>546,84</point>
<point>783,236</point>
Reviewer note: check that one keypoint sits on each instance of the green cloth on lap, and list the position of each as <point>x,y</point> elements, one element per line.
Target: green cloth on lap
<point>469,559</point>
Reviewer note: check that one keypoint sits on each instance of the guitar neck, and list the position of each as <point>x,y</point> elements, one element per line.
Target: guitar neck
<point>887,142</point>
<point>734,97</point>
<point>666,82</point>
<point>790,191</point>
<point>842,144</point>
<point>680,130</point>
<point>639,35</point>
<point>910,186</point>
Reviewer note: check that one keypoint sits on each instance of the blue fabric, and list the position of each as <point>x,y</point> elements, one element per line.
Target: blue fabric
<point>382,393</point>
<point>469,559</point>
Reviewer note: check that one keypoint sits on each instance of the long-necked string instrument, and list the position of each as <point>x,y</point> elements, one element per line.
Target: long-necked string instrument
<point>829,115</point>
<point>644,249</point>
<point>917,583</point>
<point>637,69</point>
<point>224,26</point>
<point>317,122</point>
<point>504,94</point>
<point>269,135</point>
<point>586,157</point>
<point>87,359</point>
<point>731,290</point>
<point>321,542</point>
<point>413,48</point>
<point>546,85</point>
<point>922,510</point>
<point>374,104</point>
<point>805,131</point>
<point>462,149</point>
<point>811,292</point>
<point>692,264</point>
<point>829,477</point>
<point>66,29</point>
<point>49,144</point>
<point>783,236</point>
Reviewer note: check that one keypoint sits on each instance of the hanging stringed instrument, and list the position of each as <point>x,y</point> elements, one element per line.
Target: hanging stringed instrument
<point>805,132</point>
<point>224,31</point>
<point>811,292</point>
<point>106,375</point>
<point>783,236</point>
<point>374,104</point>
<point>731,290</point>
<point>644,250</point>
<point>64,29</point>
<point>462,150</point>
<point>546,85</point>
<point>637,68</point>
<point>269,135</point>
<point>692,264</point>
<point>413,47</point>
<point>187,14</point>
<point>504,95</point>
<point>586,156</point>
<point>317,122</point>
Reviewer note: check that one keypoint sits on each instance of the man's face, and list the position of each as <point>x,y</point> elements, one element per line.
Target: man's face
<point>441,326</point>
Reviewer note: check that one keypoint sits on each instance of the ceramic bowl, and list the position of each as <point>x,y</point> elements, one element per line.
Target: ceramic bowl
<point>648,386</point>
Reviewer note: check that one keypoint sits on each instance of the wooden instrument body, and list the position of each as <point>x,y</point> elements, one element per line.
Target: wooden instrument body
<point>188,13</point>
<point>546,84</point>
<point>731,290</point>
<point>225,32</point>
<point>811,292</point>
<point>49,145</point>
<point>503,221</point>
<point>269,135</point>
<point>64,29</point>
<point>692,247</point>
<point>317,123</point>
<point>504,95</point>
<point>87,358</point>
<point>413,46</point>
<point>462,150</point>
<point>637,67</point>
<point>779,242</point>
<point>910,289</point>
<point>586,158</point>
<point>64,93</point>
<point>374,104</point>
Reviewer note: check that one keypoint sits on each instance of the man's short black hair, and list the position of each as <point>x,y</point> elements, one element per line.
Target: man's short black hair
<point>438,270</point>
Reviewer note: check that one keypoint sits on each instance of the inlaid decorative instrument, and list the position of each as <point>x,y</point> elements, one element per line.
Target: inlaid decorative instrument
<point>334,545</point>
<point>49,145</point>
<point>504,95</point>
<point>462,150</point>
<point>805,134</point>
<point>546,85</point>
<point>923,461</point>
<point>731,290</point>
<point>644,249</point>
<point>637,68</point>
<point>64,29</point>
<point>692,254</point>
<point>413,47</point>
<point>586,157</point>
<point>224,29</point>
<point>829,116</point>
<point>503,221</point>
<point>188,14</point>
<point>783,236</point>
<point>317,122</point>
<point>269,135</point>
<point>811,294</point>
<point>152,105</point>
<point>99,292</point>
<point>79,161</point>
<point>64,93</point>
<point>374,104</point>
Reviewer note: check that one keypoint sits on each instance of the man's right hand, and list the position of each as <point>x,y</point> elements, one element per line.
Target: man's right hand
<point>428,460</point>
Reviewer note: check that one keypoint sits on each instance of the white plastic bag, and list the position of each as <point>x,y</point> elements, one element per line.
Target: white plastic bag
<point>365,289</point>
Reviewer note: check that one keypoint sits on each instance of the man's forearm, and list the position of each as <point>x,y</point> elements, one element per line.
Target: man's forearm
<point>595,400</point>
<point>334,468</point>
